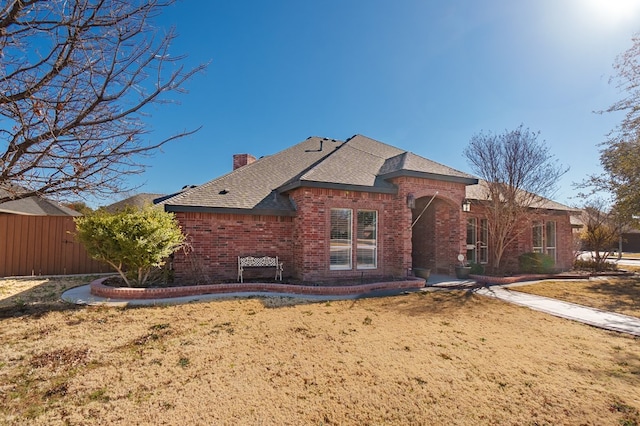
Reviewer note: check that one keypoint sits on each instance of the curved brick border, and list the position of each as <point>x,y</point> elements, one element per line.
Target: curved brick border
<point>99,289</point>
<point>490,280</point>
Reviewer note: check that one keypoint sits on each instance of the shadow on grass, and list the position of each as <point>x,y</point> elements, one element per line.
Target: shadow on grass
<point>623,294</point>
<point>36,296</point>
<point>429,303</point>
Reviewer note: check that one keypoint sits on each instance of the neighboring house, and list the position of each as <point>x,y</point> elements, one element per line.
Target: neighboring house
<point>36,238</point>
<point>353,209</point>
<point>36,206</point>
<point>137,201</point>
<point>631,241</point>
<point>142,200</point>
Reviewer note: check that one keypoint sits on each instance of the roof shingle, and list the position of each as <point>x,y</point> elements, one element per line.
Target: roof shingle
<point>360,163</point>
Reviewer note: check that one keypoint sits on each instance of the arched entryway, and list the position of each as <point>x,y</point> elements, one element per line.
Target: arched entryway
<point>435,234</point>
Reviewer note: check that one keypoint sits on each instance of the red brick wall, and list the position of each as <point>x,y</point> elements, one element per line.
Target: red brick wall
<point>218,239</point>
<point>441,231</point>
<point>302,242</point>
<point>312,233</point>
<point>524,241</point>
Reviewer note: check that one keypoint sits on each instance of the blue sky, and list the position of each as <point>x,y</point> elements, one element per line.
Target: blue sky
<point>420,75</point>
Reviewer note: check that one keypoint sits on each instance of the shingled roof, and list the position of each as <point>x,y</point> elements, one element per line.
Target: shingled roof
<point>480,192</point>
<point>35,206</point>
<point>359,163</point>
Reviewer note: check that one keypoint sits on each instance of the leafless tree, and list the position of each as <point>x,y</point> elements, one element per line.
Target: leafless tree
<point>75,78</point>
<point>517,172</point>
<point>601,231</point>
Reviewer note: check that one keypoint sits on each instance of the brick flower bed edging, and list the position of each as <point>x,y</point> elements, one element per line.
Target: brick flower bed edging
<point>99,289</point>
<point>491,280</point>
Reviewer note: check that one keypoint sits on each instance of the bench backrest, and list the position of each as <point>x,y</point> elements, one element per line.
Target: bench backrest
<point>250,261</point>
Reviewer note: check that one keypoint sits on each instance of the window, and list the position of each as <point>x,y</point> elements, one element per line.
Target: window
<point>538,239</point>
<point>472,239</point>
<point>544,238</point>
<point>550,241</point>
<point>477,240</point>
<point>483,244</point>
<point>367,249</point>
<point>340,239</point>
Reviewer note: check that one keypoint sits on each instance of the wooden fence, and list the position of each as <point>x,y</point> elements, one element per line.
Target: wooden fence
<point>42,245</point>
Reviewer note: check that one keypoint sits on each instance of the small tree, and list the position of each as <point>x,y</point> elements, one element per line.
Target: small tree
<point>132,241</point>
<point>518,171</point>
<point>79,206</point>
<point>601,232</point>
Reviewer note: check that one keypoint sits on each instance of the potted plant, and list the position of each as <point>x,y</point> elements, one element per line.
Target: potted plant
<point>422,273</point>
<point>462,270</point>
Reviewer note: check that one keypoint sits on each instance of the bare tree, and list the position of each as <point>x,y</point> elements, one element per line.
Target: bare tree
<point>601,232</point>
<point>517,172</point>
<point>75,77</point>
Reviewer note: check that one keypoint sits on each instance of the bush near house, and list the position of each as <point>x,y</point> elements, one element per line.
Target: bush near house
<point>536,263</point>
<point>134,242</point>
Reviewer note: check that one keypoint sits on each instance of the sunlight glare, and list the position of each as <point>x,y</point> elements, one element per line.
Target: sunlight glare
<point>614,11</point>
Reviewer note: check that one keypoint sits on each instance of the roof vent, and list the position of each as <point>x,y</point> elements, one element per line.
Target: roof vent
<point>223,192</point>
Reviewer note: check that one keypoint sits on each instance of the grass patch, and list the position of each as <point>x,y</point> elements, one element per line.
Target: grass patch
<point>437,358</point>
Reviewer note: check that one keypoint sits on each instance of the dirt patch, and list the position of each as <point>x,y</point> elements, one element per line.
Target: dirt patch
<point>422,358</point>
<point>616,294</point>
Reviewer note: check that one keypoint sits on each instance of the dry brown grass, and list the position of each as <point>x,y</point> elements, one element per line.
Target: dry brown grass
<point>423,358</point>
<point>620,295</point>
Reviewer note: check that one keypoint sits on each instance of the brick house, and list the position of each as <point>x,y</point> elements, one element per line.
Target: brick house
<point>353,209</point>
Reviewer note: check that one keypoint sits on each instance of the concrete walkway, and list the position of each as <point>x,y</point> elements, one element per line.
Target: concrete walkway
<point>592,316</point>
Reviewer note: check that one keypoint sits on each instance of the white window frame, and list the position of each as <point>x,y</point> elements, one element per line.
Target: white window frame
<point>548,238</point>
<point>367,244</point>
<point>472,232</point>
<point>550,243</point>
<point>483,244</point>
<point>338,245</point>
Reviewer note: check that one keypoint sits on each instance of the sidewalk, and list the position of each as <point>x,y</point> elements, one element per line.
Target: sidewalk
<point>594,317</point>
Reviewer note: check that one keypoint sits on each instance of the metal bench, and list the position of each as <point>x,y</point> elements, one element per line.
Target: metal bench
<point>259,262</point>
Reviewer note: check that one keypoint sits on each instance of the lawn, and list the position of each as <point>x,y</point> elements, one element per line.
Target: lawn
<point>620,295</point>
<point>420,358</point>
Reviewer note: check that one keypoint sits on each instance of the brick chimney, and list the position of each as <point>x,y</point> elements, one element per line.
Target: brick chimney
<point>240,160</point>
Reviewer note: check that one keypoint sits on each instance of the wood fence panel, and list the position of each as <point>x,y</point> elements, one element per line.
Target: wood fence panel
<point>42,245</point>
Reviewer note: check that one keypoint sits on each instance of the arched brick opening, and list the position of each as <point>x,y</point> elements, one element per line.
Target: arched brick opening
<point>435,235</point>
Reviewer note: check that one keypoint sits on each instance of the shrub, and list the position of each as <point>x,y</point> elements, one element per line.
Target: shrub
<point>133,242</point>
<point>477,269</point>
<point>593,265</point>
<point>536,263</point>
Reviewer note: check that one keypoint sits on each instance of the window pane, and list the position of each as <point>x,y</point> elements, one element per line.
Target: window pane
<point>367,250</point>
<point>340,239</point>
<point>484,241</point>
<point>551,239</point>
<point>551,234</point>
<point>472,232</point>
<point>537,238</point>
